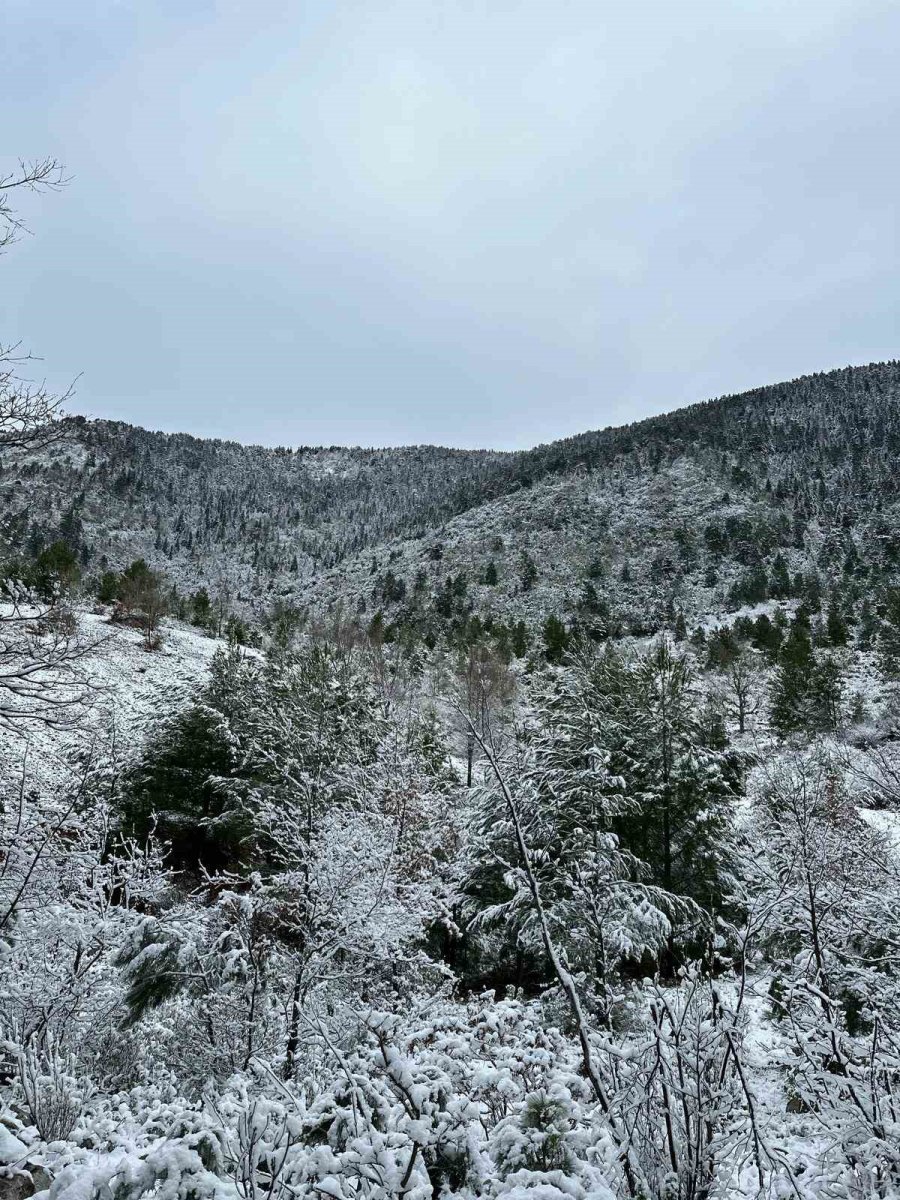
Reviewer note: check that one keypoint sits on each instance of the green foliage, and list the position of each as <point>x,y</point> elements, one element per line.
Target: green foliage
<point>676,764</point>
<point>528,574</point>
<point>806,692</point>
<point>780,586</point>
<point>836,631</point>
<point>201,608</point>
<point>751,588</point>
<point>556,639</point>
<point>56,570</point>
<point>594,615</point>
<point>889,634</point>
<point>108,587</point>
<point>175,791</point>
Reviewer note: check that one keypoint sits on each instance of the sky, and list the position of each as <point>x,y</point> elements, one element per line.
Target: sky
<point>490,223</point>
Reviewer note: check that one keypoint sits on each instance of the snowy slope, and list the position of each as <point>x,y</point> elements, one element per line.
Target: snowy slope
<point>131,689</point>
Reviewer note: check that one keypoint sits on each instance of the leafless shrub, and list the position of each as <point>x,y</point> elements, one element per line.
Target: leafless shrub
<point>53,1096</point>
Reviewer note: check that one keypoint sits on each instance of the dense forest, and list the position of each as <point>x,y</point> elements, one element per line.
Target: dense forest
<point>421,823</point>
<point>785,492</point>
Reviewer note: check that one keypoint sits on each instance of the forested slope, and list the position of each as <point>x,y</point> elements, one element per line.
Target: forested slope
<point>542,845</point>
<point>688,504</point>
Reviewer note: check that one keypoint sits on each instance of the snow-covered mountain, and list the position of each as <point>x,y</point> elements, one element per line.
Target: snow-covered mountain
<point>558,859</point>
<point>679,511</point>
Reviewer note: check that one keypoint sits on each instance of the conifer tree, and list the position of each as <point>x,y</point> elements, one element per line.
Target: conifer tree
<point>836,630</point>
<point>556,639</point>
<point>790,706</point>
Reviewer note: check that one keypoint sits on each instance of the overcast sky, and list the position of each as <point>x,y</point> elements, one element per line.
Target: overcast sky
<point>492,223</point>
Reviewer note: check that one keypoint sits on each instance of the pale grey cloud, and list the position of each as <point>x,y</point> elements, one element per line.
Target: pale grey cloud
<point>476,223</point>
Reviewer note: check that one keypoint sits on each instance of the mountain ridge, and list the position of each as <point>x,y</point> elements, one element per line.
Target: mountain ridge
<point>803,463</point>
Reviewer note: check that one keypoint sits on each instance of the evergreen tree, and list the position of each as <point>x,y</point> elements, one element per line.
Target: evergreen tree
<point>790,706</point>
<point>889,634</point>
<point>201,608</point>
<point>780,587</point>
<point>519,639</point>
<point>836,631</point>
<point>55,571</point>
<point>683,780</point>
<point>176,789</point>
<point>556,639</point>
<point>529,573</point>
<point>867,628</point>
<point>807,691</point>
<point>826,692</point>
<point>108,587</point>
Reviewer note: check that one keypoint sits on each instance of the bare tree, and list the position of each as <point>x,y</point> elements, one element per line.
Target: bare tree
<point>37,175</point>
<point>41,651</point>
<point>27,411</point>
<point>484,686</point>
<point>742,677</point>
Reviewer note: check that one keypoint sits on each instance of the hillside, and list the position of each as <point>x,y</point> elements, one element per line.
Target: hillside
<point>554,856</point>
<point>683,511</point>
<point>689,511</point>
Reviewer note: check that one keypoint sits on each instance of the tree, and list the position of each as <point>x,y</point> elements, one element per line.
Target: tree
<point>313,909</point>
<point>55,572</point>
<point>483,687</point>
<point>622,748</point>
<point>826,895</point>
<point>569,796</point>
<point>889,634</point>
<point>108,587</point>
<point>144,593</point>
<point>827,691</point>
<point>556,639</point>
<point>742,675</point>
<point>529,572</point>
<point>766,636</point>
<point>683,784</point>
<point>41,648</point>
<point>201,608</point>
<point>790,705</point>
<point>806,693</point>
<point>519,643</point>
<point>836,631</point>
<point>177,789</point>
<point>780,587</point>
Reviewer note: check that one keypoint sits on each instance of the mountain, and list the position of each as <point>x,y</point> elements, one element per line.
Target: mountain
<point>688,511</point>
<point>409,902</point>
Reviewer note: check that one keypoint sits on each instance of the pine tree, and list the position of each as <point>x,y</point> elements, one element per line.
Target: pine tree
<point>780,586</point>
<point>556,639</point>
<point>826,694</point>
<point>889,634</point>
<point>836,630</point>
<point>790,706</point>
<point>867,628</point>
<point>529,573</point>
<point>519,640</point>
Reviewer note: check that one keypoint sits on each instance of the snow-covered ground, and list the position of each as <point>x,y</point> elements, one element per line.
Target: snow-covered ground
<point>887,824</point>
<point>131,689</point>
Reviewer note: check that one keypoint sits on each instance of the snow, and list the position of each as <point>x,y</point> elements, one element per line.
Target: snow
<point>887,823</point>
<point>11,1149</point>
<point>132,688</point>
